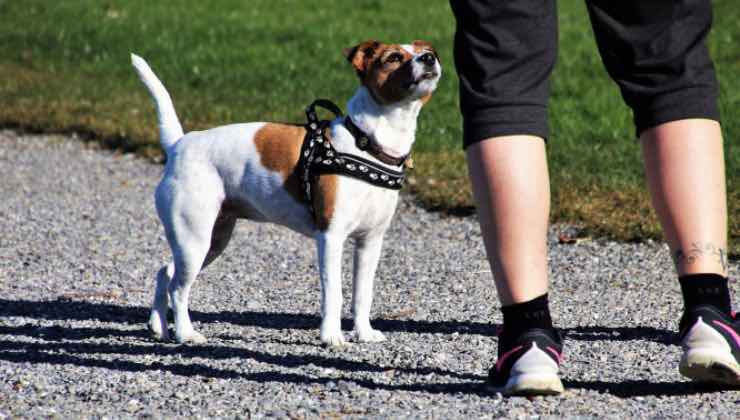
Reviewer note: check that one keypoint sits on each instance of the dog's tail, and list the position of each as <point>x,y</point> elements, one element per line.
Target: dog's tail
<point>170,129</point>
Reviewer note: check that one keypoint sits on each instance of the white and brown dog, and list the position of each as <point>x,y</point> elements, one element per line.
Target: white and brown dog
<point>214,177</point>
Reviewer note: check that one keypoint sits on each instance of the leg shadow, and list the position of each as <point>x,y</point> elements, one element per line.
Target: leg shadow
<point>597,333</point>
<point>64,309</point>
<point>644,388</point>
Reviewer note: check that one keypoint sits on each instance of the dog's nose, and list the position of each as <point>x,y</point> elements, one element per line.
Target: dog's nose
<point>428,59</point>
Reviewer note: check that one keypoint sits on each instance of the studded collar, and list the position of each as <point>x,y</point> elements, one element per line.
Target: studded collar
<point>369,145</point>
<point>318,156</point>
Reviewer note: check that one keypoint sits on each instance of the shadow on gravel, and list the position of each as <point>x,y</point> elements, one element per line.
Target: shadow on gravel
<point>65,309</point>
<point>109,356</point>
<point>37,352</point>
<point>52,346</point>
<point>82,354</point>
<point>643,388</point>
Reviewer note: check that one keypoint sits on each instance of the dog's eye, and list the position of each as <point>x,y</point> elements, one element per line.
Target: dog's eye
<point>394,58</point>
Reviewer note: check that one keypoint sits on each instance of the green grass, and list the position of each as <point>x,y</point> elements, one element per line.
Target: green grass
<point>65,66</point>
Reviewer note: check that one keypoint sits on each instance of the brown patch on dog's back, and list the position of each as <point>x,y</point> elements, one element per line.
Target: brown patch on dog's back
<point>324,199</point>
<point>279,147</point>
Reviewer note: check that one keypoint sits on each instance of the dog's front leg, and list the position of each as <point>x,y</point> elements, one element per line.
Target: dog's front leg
<point>330,268</point>
<point>367,255</point>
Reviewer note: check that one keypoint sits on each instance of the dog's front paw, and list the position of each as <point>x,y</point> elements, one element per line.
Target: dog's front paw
<point>369,335</point>
<point>333,339</point>
<point>192,337</point>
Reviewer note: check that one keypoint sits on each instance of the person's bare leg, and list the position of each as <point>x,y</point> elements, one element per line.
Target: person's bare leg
<point>511,189</point>
<point>684,164</point>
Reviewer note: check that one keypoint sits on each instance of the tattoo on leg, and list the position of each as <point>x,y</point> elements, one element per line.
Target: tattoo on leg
<point>698,250</point>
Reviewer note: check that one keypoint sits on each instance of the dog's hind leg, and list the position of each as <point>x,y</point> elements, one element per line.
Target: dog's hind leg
<point>189,213</point>
<point>158,316</point>
<point>190,251</point>
<point>220,237</point>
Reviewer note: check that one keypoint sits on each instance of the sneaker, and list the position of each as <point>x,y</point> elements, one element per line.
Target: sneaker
<point>711,346</point>
<point>528,364</point>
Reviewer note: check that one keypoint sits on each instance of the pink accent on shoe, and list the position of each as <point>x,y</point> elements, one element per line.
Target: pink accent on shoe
<point>729,330</point>
<point>505,356</point>
<point>557,355</point>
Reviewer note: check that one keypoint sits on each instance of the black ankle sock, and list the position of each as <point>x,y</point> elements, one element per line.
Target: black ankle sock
<point>520,317</point>
<point>705,289</point>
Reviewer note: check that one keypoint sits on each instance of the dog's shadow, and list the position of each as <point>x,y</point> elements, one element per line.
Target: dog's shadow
<point>52,345</point>
<point>65,309</point>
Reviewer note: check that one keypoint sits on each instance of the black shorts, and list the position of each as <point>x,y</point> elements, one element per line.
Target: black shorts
<point>654,49</point>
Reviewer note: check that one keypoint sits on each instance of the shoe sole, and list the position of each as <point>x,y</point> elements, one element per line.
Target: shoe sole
<point>710,366</point>
<point>531,384</point>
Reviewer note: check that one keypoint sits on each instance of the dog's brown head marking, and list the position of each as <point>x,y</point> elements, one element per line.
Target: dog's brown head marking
<point>422,46</point>
<point>360,54</point>
<point>386,70</point>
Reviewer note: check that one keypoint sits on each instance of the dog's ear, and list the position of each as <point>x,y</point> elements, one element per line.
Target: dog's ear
<point>361,54</point>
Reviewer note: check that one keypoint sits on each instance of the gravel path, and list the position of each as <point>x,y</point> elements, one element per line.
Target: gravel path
<point>80,243</point>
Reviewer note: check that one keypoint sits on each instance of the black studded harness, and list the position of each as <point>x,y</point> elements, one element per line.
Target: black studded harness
<point>318,156</point>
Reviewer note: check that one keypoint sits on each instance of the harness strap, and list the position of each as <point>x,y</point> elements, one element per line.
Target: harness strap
<point>323,103</point>
<point>318,156</point>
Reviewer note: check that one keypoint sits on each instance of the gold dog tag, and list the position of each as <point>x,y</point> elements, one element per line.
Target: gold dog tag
<point>409,164</point>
